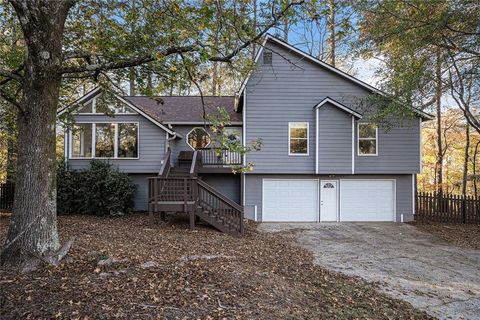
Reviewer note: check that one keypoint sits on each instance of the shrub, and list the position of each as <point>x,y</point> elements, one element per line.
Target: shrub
<point>99,190</point>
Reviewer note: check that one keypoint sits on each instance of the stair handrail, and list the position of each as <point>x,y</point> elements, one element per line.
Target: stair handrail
<point>167,164</point>
<point>193,166</point>
<point>211,189</point>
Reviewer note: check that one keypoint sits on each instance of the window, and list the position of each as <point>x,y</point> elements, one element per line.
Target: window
<point>233,135</point>
<point>298,138</point>
<point>127,140</point>
<point>86,108</point>
<point>198,138</point>
<point>82,140</point>
<point>367,139</point>
<point>267,58</point>
<point>98,105</point>
<point>104,140</point>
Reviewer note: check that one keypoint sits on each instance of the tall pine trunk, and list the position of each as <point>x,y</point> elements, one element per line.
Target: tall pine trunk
<point>466,160</point>
<point>32,234</point>
<point>438,102</point>
<point>331,37</point>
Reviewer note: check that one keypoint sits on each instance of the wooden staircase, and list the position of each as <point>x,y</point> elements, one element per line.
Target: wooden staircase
<point>179,189</point>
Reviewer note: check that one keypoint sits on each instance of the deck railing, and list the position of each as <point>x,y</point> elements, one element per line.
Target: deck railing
<point>220,157</point>
<point>197,198</point>
<point>171,189</point>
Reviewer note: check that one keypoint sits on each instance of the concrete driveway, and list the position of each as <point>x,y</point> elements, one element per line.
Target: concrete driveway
<point>407,263</point>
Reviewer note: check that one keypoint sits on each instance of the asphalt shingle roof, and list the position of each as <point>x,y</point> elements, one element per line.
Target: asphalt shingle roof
<point>183,108</point>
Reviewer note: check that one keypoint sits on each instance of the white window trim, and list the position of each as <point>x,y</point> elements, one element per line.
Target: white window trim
<point>208,134</point>
<point>308,139</point>
<point>115,142</point>
<point>358,141</point>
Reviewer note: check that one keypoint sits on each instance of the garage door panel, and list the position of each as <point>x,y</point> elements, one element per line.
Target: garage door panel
<point>290,200</point>
<point>367,200</point>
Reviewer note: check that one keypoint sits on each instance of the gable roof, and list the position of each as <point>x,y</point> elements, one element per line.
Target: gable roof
<point>184,109</point>
<point>338,105</point>
<point>164,110</point>
<point>322,64</point>
<point>95,92</point>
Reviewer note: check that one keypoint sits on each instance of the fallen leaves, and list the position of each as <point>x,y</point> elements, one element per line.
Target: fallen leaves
<point>171,273</point>
<point>462,235</point>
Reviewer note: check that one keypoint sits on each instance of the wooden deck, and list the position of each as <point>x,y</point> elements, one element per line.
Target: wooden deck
<point>180,190</point>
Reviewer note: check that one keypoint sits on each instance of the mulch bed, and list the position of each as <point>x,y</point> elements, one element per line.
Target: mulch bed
<point>462,235</point>
<point>168,272</point>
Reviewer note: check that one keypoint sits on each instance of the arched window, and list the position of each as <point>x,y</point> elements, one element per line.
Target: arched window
<point>198,138</point>
<point>328,185</point>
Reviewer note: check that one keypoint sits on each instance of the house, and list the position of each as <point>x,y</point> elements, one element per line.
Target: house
<point>321,159</point>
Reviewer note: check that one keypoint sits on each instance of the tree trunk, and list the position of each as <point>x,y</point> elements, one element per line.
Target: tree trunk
<point>12,137</point>
<point>331,38</point>
<point>285,28</point>
<point>474,169</point>
<point>438,101</point>
<point>254,46</point>
<point>131,81</point>
<point>466,160</point>
<point>32,235</point>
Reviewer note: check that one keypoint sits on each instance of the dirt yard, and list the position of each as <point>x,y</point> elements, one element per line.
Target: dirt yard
<point>462,235</point>
<point>125,268</point>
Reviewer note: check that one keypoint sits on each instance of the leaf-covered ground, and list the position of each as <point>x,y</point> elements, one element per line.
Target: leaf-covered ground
<point>168,272</point>
<point>463,235</point>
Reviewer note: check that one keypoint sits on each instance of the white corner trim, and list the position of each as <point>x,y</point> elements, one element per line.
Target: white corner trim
<point>353,144</point>
<point>413,194</point>
<point>244,127</point>
<point>421,146</point>
<point>316,140</point>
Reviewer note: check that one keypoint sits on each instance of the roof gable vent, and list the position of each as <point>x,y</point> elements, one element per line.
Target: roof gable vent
<point>267,58</point>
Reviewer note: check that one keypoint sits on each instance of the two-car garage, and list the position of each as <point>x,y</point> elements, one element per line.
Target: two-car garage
<point>328,200</point>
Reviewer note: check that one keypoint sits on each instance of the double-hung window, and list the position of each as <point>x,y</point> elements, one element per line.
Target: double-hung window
<point>298,138</point>
<point>367,139</point>
<point>104,140</point>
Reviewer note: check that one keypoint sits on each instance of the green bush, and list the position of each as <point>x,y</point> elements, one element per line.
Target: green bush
<point>99,190</point>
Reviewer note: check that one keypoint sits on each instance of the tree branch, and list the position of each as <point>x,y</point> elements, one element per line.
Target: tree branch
<point>11,74</point>
<point>276,19</point>
<point>126,63</point>
<point>5,96</point>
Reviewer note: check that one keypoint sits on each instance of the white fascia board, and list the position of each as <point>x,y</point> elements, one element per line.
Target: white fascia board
<point>339,105</point>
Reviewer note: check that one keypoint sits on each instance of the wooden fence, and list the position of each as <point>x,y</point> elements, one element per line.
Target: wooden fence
<point>6,196</point>
<point>447,208</point>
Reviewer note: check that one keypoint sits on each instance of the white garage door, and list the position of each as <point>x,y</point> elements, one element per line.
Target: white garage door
<point>367,200</point>
<point>290,200</point>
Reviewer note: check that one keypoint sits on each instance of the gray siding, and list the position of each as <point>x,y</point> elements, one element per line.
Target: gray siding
<point>141,194</point>
<point>226,184</point>
<point>287,91</point>
<point>398,150</point>
<point>253,191</point>
<point>151,145</point>
<point>334,140</point>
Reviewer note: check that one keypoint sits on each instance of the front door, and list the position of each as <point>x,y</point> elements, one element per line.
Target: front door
<point>329,200</point>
